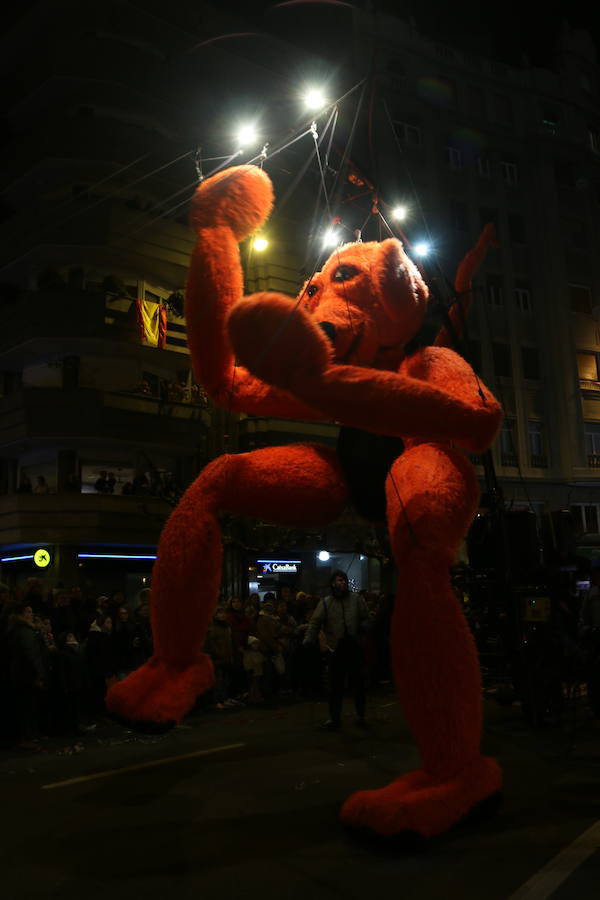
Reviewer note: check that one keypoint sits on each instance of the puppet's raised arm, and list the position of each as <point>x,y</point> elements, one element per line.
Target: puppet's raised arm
<point>226,208</point>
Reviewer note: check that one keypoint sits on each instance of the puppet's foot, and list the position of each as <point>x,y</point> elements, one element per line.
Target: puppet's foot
<point>160,693</point>
<point>420,804</point>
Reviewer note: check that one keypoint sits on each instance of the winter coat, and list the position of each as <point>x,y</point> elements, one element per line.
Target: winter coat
<point>267,631</point>
<point>220,643</point>
<point>338,616</point>
<point>241,627</point>
<point>26,654</point>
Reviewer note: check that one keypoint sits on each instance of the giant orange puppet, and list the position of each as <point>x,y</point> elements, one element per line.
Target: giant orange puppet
<point>337,353</point>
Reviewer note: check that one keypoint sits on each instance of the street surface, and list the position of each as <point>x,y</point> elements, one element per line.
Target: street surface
<point>244,803</point>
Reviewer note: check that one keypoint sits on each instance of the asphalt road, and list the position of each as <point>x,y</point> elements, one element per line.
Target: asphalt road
<point>244,804</point>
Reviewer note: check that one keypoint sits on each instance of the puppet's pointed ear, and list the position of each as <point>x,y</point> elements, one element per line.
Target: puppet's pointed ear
<point>402,290</point>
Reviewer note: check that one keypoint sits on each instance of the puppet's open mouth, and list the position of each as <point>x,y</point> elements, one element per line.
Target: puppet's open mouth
<point>332,333</point>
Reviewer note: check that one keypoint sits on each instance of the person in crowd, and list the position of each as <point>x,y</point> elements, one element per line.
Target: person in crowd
<point>143,645</point>
<point>288,635</point>
<point>63,614</point>
<point>124,636</point>
<point>25,485</point>
<point>251,608</point>
<point>26,675</point>
<point>242,627</point>
<point>253,665</point>
<point>110,483</point>
<point>101,658</point>
<point>219,646</point>
<point>41,485</point>
<point>74,681</point>
<point>102,483</point>
<point>342,616</point>
<point>115,601</point>
<point>268,633</point>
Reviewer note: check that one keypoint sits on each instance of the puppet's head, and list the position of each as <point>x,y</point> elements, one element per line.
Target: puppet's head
<point>369,299</point>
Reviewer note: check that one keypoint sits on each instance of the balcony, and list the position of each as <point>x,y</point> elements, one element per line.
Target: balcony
<point>74,518</point>
<point>594,460</point>
<point>509,459</point>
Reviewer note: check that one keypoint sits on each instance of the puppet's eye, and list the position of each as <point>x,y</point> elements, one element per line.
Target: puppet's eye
<point>312,289</point>
<point>344,273</point>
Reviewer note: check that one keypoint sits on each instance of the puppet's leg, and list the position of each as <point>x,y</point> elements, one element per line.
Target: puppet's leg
<point>296,485</point>
<point>432,495</point>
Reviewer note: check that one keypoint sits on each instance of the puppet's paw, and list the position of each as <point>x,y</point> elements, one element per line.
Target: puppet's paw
<point>240,197</point>
<point>422,805</point>
<point>276,340</point>
<point>159,693</point>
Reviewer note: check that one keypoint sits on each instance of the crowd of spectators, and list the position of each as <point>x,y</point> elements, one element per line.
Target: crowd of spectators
<point>60,652</point>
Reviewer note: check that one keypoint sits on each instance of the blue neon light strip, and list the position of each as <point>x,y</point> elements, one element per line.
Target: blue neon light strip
<point>280,560</point>
<point>14,558</point>
<point>109,556</point>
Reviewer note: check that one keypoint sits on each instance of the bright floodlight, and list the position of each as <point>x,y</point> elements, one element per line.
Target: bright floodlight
<point>399,213</point>
<point>331,238</point>
<point>323,555</point>
<point>314,99</point>
<point>247,135</point>
<point>260,244</point>
<point>422,249</point>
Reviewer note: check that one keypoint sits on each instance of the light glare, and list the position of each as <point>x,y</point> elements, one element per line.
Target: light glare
<point>247,134</point>
<point>331,238</point>
<point>422,249</point>
<point>399,213</point>
<point>314,99</point>
<point>323,555</point>
<point>260,244</point>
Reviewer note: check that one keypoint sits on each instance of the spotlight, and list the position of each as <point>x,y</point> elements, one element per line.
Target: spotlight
<point>422,248</point>
<point>323,555</point>
<point>260,243</point>
<point>399,213</point>
<point>314,99</point>
<point>246,134</point>
<point>331,238</point>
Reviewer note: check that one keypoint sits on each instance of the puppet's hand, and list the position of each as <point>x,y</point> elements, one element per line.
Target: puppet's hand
<point>277,340</point>
<point>240,198</point>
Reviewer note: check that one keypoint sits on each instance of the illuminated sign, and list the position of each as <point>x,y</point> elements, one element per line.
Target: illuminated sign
<point>279,566</point>
<point>41,558</point>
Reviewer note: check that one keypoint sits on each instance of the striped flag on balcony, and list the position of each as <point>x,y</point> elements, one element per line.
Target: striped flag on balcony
<point>152,323</point>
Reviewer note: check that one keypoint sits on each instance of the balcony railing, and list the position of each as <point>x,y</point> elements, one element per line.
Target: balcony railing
<point>587,384</point>
<point>539,461</point>
<point>594,460</point>
<point>509,459</point>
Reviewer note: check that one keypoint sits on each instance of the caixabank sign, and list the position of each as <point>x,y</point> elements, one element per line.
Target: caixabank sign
<point>279,566</point>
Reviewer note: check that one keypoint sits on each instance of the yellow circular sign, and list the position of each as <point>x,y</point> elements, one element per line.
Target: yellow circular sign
<point>41,558</point>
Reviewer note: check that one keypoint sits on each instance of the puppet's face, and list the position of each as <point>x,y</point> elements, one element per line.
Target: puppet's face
<point>369,299</point>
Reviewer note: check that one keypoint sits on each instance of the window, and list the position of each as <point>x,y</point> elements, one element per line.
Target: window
<point>537,450</point>
<point>484,168</point>
<point>508,453</point>
<point>501,359</point>
<point>408,133</point>
<point>454,157</point>
<point>510,171</point>
<point>592,444</point>
<point>585,516</point>
<point>495,290</point>
<point>517,228</point>
<point>530,360</point>
<point>587,368</point>
<point>523,296</point>
<point>581,298</point>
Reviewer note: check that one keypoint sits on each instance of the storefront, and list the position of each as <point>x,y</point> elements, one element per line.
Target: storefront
<point>311,572</point>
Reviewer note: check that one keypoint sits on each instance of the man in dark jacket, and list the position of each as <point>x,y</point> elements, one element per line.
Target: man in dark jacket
<point>27,674</point>
<point>342,616</point>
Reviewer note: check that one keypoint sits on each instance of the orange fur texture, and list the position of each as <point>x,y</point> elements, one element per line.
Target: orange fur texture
<point>336,353</point>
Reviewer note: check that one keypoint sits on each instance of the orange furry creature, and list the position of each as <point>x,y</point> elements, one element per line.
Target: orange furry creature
<point>337,354</point>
